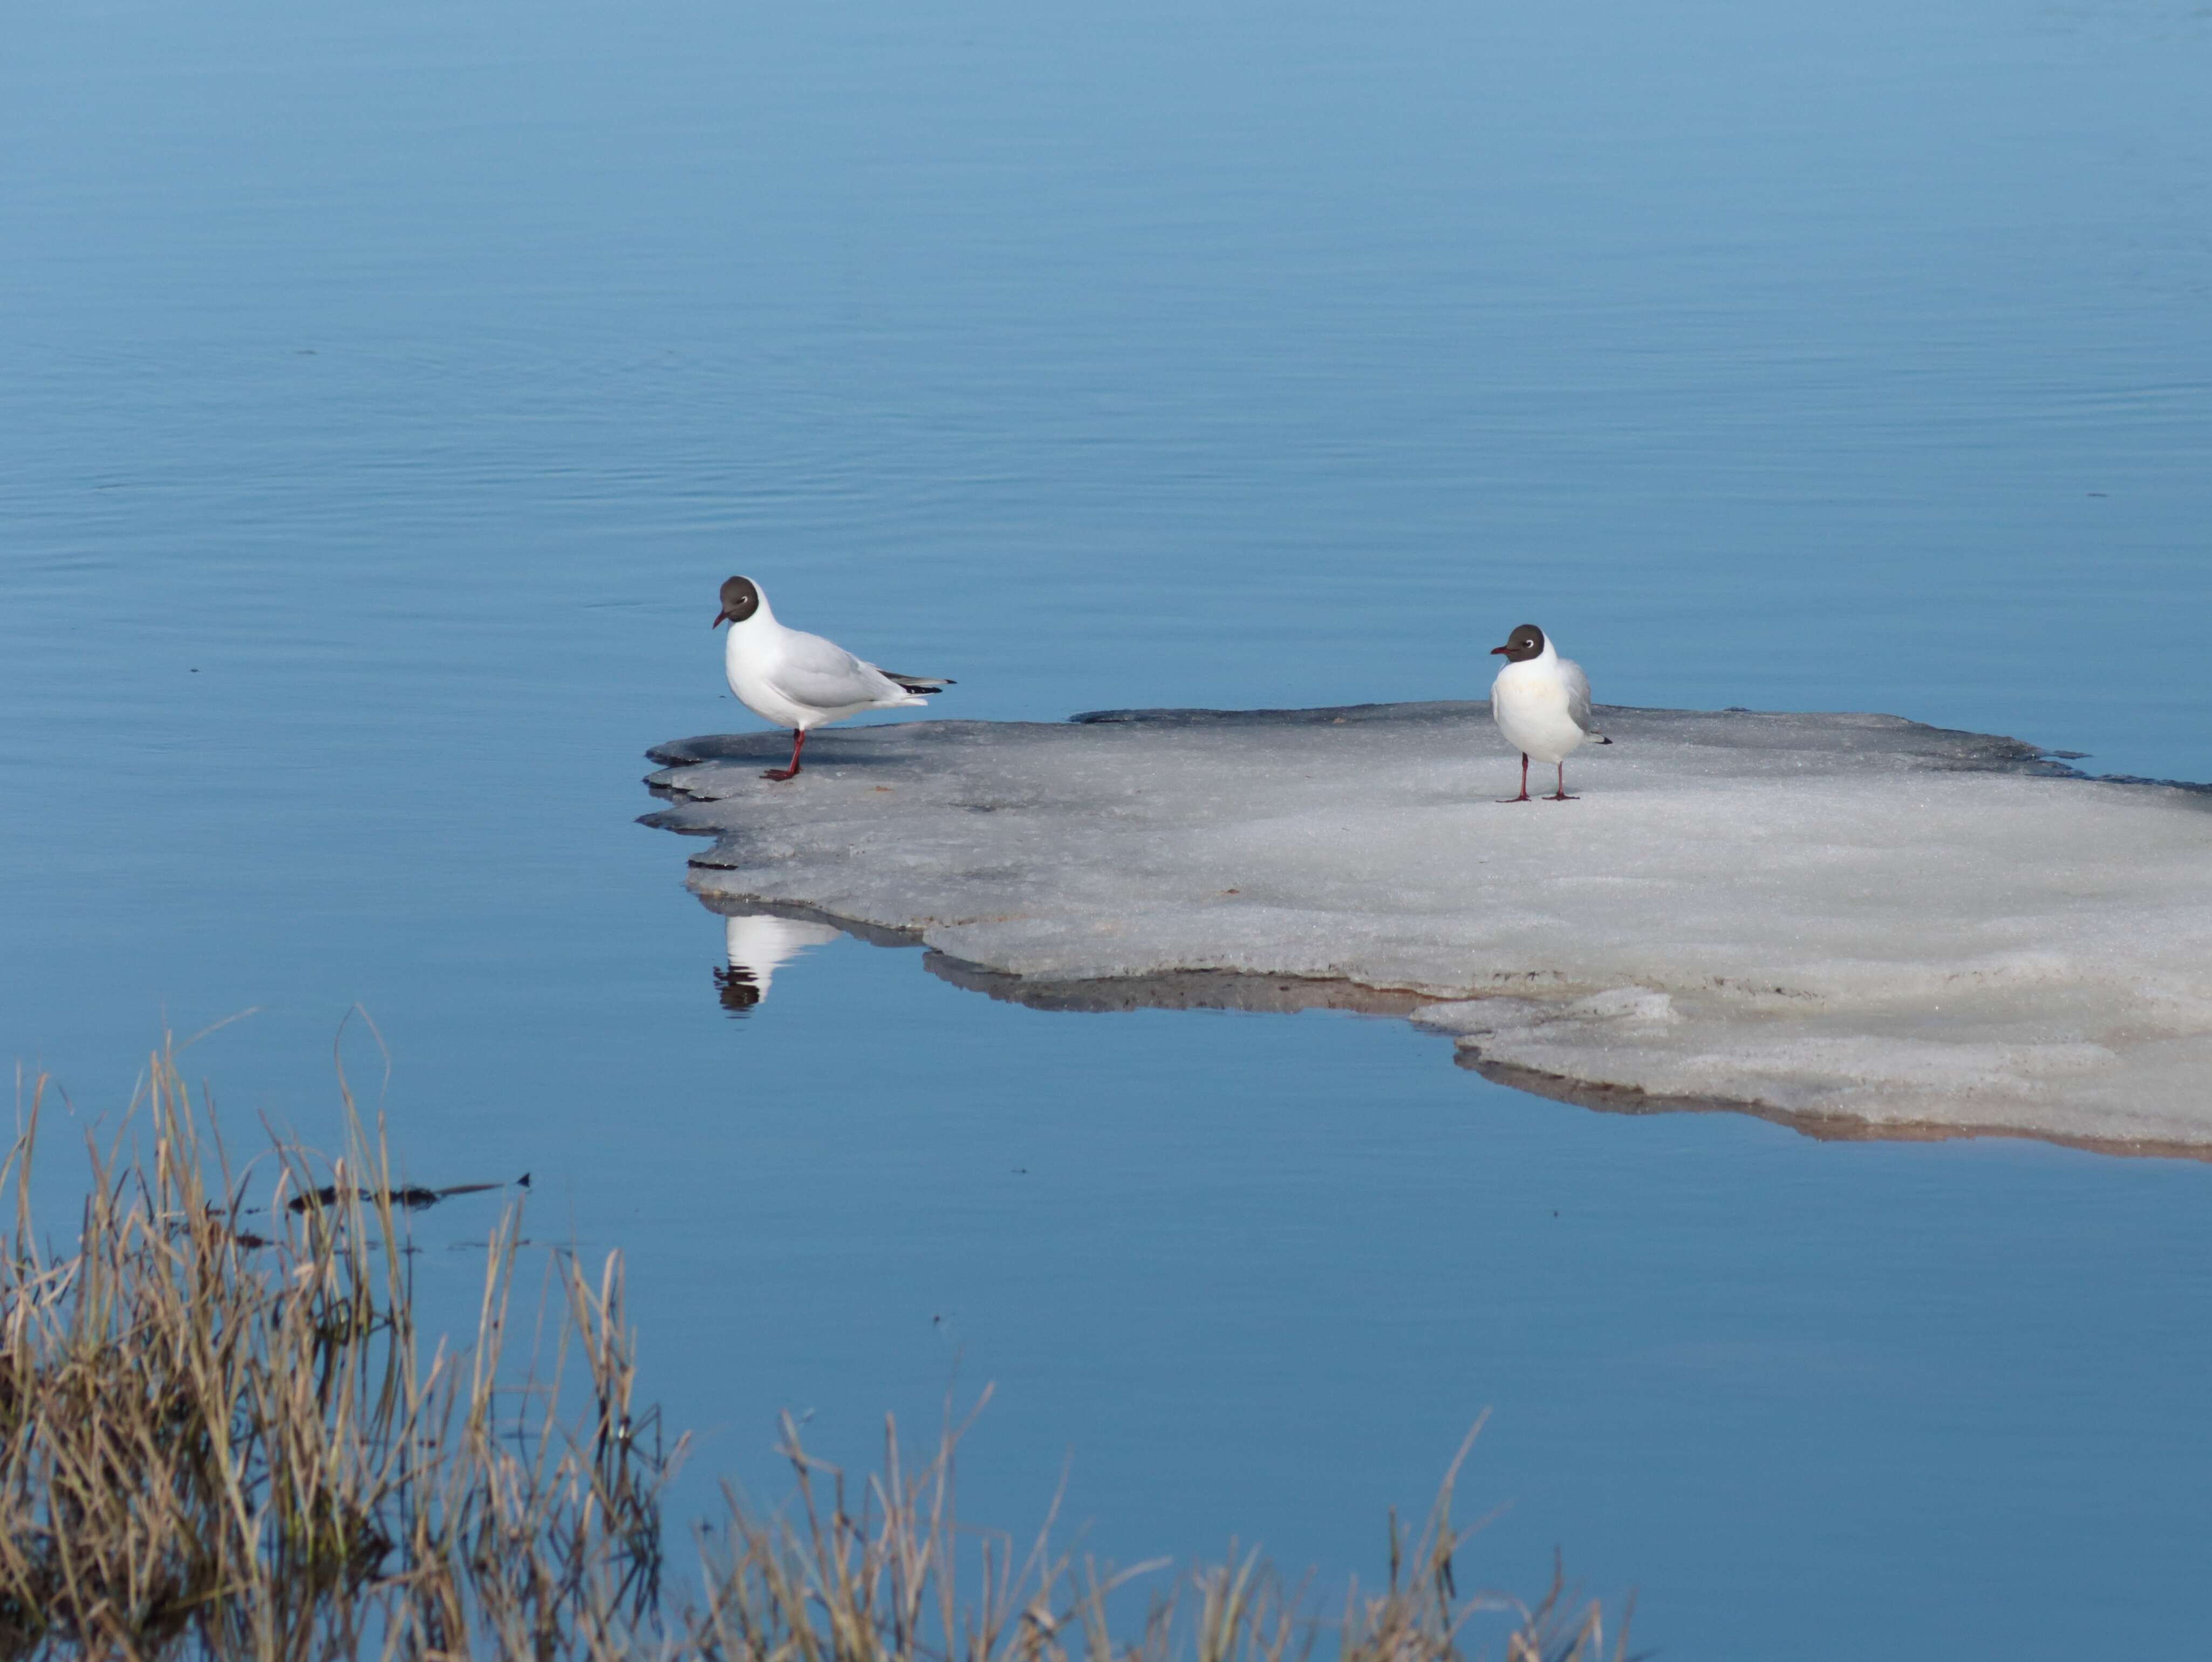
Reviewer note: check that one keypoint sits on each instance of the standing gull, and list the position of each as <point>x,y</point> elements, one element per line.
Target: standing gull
<point>801,681</point>
<point>1541,703</point>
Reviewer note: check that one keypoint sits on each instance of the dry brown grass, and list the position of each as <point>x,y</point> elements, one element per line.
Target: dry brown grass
<point>219,1442</point>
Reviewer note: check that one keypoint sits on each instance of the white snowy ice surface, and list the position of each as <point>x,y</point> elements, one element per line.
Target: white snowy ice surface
<point>1855,923</point>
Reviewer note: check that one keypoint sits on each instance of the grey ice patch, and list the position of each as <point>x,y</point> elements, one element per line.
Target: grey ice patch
<point>1840,920</point>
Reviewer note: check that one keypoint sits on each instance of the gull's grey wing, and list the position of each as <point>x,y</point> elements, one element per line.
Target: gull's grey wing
<point>823,673</point>
<point>1577,695</point>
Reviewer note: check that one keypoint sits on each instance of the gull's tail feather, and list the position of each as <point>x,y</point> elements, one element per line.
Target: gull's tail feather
<point>921,683</point>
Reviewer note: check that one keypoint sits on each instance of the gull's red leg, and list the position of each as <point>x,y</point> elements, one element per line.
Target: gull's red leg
<point>798,744</point>
<point>1562,795</point>
<point>1523,797</point>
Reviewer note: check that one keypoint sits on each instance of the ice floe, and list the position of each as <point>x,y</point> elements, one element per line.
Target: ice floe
<point>1854,922</point>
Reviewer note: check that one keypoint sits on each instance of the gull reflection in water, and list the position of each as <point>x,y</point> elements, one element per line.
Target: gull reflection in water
<point>756,943</point>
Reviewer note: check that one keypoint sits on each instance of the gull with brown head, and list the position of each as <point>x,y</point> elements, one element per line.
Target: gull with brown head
<point>1541,702</point>
<point>801,681</point>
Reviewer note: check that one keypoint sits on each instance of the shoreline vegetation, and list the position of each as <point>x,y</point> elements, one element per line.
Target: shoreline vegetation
<point>225,1443</point>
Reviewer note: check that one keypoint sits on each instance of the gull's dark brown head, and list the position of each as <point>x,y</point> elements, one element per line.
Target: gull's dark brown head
<point>740,600</point>
<point>1524,644</point>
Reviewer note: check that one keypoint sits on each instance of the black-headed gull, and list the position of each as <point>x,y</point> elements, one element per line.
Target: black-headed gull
<point>1541,703</point>
<point>801,681</point>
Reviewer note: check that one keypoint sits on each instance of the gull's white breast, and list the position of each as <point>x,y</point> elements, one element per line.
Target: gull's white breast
<point>1533,703</point>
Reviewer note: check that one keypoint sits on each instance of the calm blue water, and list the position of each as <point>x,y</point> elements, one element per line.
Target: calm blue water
<point>384,395</point>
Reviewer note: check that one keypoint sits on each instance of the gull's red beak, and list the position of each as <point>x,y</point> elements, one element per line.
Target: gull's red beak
<point>1494,651</point>
<point>719,616</point>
